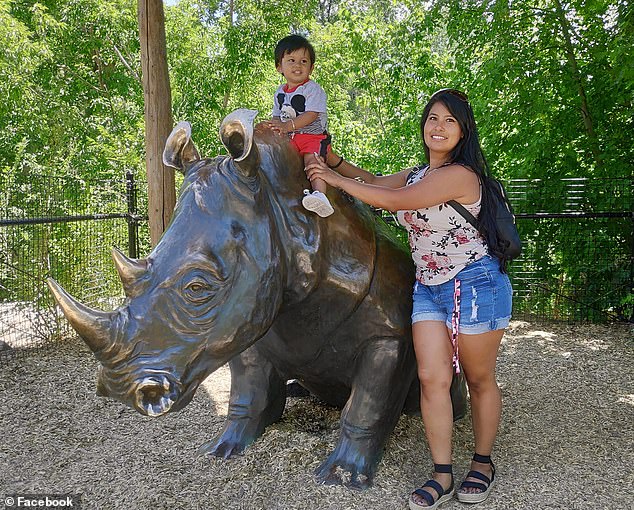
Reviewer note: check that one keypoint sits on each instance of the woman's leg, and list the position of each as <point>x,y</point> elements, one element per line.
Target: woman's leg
<point>433,357</point>
<point>478,355</point>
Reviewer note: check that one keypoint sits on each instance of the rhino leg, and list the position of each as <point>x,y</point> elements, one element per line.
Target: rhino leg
<point>384,372</point>
<point>257,399</point>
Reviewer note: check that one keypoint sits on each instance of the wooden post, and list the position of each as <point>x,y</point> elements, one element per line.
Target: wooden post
<point>158,115</point>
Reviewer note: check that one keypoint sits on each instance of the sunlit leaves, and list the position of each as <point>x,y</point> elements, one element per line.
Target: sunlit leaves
<point>73,72</point>
<point>70,75</point>
<point>531,68</point>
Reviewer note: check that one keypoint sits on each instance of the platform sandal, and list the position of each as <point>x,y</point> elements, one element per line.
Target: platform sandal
<point>443,495</point>
<point>485,488</point>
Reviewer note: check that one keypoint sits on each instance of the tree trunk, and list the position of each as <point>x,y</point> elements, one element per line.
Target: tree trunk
<point>158,115</point>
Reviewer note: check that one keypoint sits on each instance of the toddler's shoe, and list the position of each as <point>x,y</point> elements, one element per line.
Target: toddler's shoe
<point>318,203</point>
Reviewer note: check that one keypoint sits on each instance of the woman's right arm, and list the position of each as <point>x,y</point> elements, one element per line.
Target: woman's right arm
<point>347,169</point>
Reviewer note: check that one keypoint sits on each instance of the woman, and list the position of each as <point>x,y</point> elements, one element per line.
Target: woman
<point>462,296</point>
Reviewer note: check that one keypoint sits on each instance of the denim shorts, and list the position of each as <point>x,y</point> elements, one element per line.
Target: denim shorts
<point>485,299</point>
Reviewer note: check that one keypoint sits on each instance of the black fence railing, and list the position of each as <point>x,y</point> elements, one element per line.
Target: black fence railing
<point>576,264</point>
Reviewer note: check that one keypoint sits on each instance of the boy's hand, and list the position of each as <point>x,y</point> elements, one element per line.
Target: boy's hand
<point>280,127</point>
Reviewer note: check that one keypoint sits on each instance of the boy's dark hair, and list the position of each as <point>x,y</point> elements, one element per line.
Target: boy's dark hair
<point>291,43</point>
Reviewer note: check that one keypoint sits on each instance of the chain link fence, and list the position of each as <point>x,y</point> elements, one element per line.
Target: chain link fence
<point>578,244</point>
<point>55,226</point>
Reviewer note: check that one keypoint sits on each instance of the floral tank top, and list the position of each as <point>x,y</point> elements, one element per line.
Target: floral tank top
<point>442,242</point>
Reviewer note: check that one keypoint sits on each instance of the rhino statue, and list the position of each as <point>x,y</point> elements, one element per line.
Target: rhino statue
<point>245,275</point>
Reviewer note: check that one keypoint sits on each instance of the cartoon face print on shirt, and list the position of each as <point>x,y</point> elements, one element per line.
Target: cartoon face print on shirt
<point>296,107</point>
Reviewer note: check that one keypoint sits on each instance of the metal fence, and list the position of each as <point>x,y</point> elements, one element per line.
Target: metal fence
<point>576,264</point>
<point>54,226</point>
<point>578,237</point>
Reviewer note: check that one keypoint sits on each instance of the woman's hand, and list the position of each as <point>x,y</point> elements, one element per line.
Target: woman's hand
<point>319,170</point>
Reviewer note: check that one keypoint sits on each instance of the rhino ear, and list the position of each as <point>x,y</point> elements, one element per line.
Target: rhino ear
<point>236,134</point>
<point>180,152</point>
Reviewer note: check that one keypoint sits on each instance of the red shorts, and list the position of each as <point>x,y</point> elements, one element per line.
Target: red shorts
<point>307,144</point>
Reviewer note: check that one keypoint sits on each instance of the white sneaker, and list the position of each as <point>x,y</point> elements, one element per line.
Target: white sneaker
<point>318,203</point>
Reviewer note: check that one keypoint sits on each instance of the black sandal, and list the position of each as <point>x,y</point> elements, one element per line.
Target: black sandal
<point>443,495</point>
<point>477,497</point>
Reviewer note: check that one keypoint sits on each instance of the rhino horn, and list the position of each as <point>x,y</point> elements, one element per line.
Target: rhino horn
<point>180,152</point>
<point>94,326</point>
<point>130,270</point>
<point>236,134</point>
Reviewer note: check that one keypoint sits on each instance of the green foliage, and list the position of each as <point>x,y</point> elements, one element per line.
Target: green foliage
<point>373,71</point>
<point>551,83</point>
<point>529,67</point>
<point>71,74</point>
<point>77,109</point>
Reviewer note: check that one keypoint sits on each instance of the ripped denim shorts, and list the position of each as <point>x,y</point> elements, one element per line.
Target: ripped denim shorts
<point>484,297</point>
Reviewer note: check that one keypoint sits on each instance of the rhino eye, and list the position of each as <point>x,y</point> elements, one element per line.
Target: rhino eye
<point>198,291</point>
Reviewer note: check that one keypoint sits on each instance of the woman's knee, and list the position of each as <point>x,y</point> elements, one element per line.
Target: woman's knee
<point>433,380</point>
<point>481,382</point>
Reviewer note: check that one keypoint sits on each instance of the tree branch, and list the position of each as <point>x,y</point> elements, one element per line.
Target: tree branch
<point>125,62</point>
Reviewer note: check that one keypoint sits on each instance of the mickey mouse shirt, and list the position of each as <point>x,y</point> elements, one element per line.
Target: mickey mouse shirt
<point>308,97</point>
<point>442,241</point>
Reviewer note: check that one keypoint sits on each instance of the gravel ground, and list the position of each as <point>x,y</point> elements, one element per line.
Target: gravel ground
<point>566,438</point>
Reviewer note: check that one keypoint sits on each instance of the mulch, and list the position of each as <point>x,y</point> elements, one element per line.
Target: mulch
<point>566,440</point>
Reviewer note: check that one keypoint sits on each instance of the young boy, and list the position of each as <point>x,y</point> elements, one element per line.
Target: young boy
<point>299,110</point>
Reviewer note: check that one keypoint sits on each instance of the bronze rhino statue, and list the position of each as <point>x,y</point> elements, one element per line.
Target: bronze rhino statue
<point>245,275</point>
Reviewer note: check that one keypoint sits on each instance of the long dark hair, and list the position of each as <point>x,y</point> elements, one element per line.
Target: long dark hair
<point>469,153</point>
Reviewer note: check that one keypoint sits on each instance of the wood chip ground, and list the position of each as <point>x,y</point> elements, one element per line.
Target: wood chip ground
<point>566,440</point>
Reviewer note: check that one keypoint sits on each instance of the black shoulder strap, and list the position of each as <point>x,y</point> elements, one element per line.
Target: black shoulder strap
<point>464,213</point>
<point>417,168</point>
